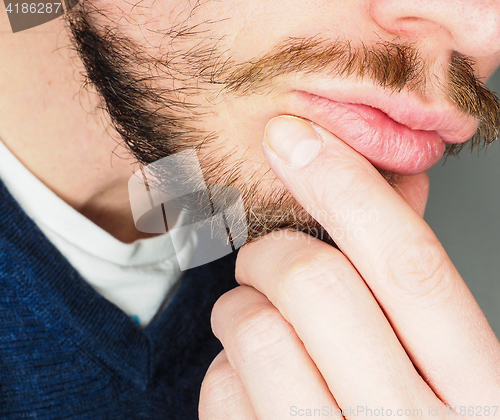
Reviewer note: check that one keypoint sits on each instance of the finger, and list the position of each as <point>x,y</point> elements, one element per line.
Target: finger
<point>222,394</point>
<point>415,191</point>
<point>278,375</point>
<point>340,323</point>
<point>431,309</point>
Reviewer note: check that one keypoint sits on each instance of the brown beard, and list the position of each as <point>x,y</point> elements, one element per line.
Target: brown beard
<point>155,122</point>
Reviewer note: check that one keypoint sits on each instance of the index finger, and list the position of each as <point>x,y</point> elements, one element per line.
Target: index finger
<point>429,306</point>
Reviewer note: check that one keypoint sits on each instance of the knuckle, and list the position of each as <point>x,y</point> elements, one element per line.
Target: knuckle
<point>260,336</point>
<point>221,387</point>
<point>421,270</point>
<point>325,270</point>
<point>222,307</point>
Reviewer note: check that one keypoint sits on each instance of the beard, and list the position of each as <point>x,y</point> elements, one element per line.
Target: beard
<point>155,121</point>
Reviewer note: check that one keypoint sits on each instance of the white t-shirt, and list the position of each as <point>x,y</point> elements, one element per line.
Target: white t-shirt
<point>139,278</point>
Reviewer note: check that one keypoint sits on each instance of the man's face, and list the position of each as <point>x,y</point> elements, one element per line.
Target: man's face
<point>393,79</point>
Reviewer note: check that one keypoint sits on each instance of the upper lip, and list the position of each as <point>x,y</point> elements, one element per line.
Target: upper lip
<point>451,125</point>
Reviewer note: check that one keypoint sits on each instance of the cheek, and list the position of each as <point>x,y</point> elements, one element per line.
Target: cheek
<point>247,28</point>
<point>240,122</point>
<point>147,23</point>
<point>485,68</point>
<point>241,30</point>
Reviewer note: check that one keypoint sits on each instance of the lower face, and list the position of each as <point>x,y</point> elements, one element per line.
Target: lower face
<point>209,75</point>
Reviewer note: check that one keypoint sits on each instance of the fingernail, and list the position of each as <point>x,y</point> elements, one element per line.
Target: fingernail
<point>293,140</point>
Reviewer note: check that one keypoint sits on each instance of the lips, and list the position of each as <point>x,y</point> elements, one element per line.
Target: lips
<point>404,148</point>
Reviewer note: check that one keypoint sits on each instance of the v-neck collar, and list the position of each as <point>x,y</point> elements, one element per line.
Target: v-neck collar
<point>73,310</point>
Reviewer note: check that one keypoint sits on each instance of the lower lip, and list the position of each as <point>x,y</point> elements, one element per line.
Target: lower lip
<point>385,143</point>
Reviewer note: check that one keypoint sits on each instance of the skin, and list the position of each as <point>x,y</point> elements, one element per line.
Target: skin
<point>305,328</point>
<point>291,332</point>
<point>90,169</point>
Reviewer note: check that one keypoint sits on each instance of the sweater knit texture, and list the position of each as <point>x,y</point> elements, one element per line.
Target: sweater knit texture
<point>68,353</point>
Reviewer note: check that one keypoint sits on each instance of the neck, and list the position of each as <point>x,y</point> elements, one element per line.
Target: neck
<point>55,127</point>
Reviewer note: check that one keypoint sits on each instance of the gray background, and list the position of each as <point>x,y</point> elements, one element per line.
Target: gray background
<point>463,210</point>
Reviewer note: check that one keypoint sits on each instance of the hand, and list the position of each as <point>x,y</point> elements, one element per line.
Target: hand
<point>385,324</point>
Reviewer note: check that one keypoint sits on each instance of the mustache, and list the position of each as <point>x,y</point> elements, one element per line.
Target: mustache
<point>392,66</point>
<point>155,121</point>
<point>111,61</point>
<point>472,97</point>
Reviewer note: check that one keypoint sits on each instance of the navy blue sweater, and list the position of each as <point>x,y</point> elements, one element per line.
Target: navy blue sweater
<point>68,353</point>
